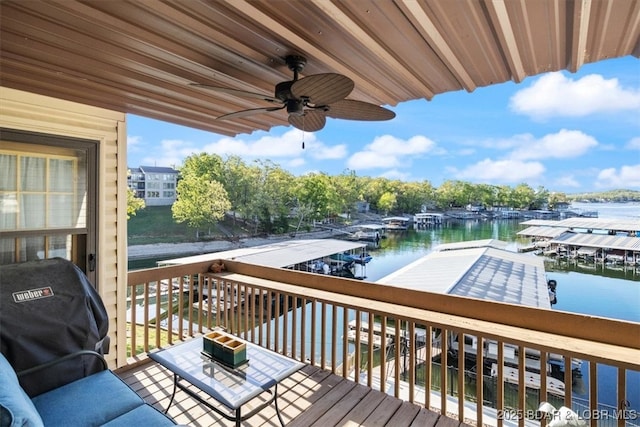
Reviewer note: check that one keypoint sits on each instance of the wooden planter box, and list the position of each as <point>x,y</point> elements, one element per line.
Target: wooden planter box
<point>225,348</point>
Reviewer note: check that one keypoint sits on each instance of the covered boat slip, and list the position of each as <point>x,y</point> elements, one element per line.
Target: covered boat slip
<point>478,272</point>
<point>629,226</point>
<point>367,232</point>
<point>303,254</point>
<point>610,241</point>
<point>483,269</point>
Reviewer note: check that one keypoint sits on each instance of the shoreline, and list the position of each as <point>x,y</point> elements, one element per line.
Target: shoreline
<point>174,250</point>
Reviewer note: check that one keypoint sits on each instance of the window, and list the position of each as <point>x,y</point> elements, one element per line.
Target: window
<point>46,194</point>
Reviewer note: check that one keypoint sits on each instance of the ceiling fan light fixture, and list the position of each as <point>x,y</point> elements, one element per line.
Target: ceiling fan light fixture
<point>295,107</point>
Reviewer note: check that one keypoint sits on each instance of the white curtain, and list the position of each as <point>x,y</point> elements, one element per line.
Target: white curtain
<point>40,192</point>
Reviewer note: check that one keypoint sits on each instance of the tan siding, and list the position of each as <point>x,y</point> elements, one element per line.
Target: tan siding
<point>30,112</point>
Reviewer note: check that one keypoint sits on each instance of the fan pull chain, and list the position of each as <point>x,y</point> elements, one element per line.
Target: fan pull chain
<point>303,132</point>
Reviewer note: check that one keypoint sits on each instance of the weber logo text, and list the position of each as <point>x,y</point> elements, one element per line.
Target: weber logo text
<point>32,294</point>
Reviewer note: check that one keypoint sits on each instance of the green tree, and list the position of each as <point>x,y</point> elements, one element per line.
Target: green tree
<point>348,191</point>
<point>555,198</point>
<point>316,195</point>
<point>387,202</point>
<point>273,200</point>
<point>201,202</point>
<point>523,196</point>
<point>205,165</point>
<point>134,204</point>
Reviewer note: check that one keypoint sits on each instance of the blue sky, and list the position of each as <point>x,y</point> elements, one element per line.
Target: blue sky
<point>568,132</point>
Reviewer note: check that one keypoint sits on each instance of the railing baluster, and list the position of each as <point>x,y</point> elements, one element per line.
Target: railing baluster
<point>303,330</point>
<point>383,351</point>
<point>133,330</point>
<point>345,343</point>
<point>334,337</point>
<point>479,379</point>
<point>412,348</point>
<point>157,330</point>
<point>190,302</point>
<point>323,336</point>
<point>200,302</point>
<point>427,366</point>
<point>443,370</point>
<point>262,296</point>
<point>370,350</point>
<point>285,326</point>
<point>276,323</point>
<point>314,304</point>
<point>521,390</point>
<point>461,357</point>
<point>593,392</point>
<point>500,384</point>
<point>396,362</point>
<point>146,317</point>
<point>622,397</point>
<point>294,328</point>
<point>268,322</point>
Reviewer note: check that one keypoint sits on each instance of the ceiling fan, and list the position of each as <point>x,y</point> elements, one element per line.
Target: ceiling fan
<point>309,100</point>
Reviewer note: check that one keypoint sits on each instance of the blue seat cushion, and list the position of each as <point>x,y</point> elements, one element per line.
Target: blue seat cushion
<point>144,415</point>
<point>90,401</point>
<point>16,408</point>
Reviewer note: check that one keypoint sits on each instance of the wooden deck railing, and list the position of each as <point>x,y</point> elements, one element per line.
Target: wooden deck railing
<point>309,317</point>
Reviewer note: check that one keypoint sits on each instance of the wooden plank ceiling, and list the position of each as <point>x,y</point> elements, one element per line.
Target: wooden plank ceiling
<point>140,56</point>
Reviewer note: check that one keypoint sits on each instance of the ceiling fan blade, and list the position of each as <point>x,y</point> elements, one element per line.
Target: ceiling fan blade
<point>349,109</point>
<point>237,92</point>
<point>250,112</point>
<point>323,89</point>
<point>311,121</point>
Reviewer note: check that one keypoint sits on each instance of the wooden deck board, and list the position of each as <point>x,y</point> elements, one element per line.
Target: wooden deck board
<point>310,397</point>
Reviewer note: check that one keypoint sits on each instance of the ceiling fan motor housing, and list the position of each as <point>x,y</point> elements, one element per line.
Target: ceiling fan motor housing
<point>295,107</point>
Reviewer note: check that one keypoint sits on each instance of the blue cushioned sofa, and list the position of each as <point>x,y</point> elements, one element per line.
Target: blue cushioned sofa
<point>100,399</point>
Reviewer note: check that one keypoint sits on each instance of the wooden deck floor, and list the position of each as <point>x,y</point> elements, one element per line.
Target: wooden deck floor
<point>311,397</point>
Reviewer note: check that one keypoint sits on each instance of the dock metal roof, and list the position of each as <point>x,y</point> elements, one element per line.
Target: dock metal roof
<point>598,241</point>
<point>484,273</point>
<point>491,243</point>
<point>543,231</point>
<point>589,223</point>
<point>279,254</point>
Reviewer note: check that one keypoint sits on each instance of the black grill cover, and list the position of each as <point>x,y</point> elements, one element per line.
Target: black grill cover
<point>48,308</point>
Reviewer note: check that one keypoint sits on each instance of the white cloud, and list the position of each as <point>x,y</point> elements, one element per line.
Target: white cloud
<point>566,181</point>
<point>132,141</point>
<point>389,152</point>
<point>501,171</point>
<point>626,177</point>
<point>286,146</point>
<point>561,145</point>
<point>555,95</point>
<point>634,143</point>
<point>171,152</point>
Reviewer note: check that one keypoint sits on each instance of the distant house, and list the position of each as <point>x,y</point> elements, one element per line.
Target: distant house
<point>155,185</point>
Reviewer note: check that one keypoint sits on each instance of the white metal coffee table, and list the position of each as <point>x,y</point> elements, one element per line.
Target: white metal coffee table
<point>233,388</point>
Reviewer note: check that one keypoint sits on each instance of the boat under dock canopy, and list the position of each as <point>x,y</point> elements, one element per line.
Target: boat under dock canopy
<point>279,254</point>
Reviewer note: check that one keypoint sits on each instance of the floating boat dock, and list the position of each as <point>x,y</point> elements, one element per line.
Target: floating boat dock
<point>590,239</point>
